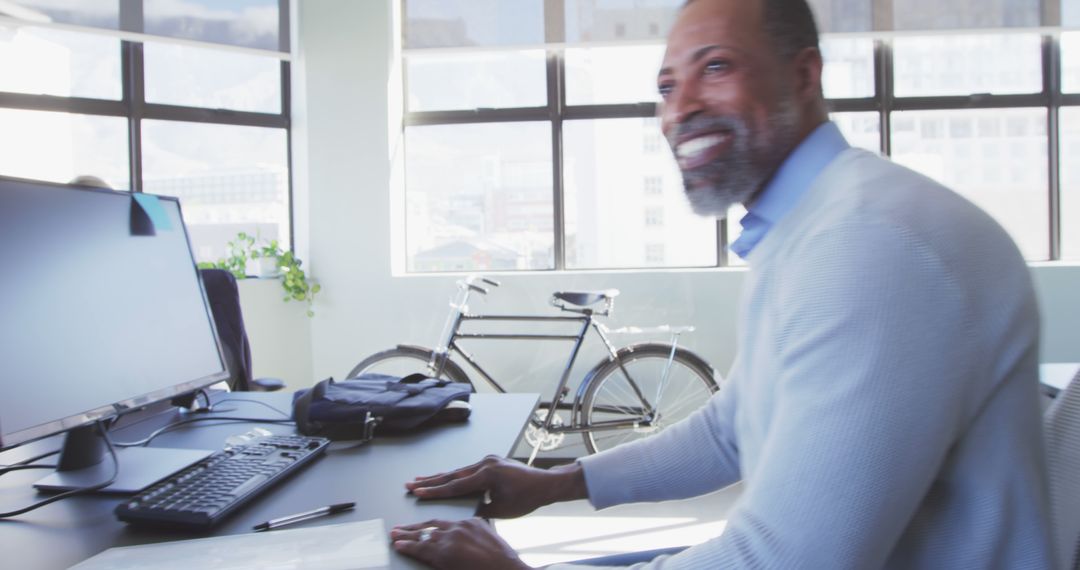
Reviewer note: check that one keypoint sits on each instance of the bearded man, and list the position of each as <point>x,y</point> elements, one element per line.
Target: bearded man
<point>883,408</point>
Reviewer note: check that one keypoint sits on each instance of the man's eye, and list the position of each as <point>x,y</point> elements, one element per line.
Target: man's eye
<point>665,89</point>
<point>717,66</point>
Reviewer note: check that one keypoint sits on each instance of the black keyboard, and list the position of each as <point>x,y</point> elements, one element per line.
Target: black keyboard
<point>205,493</point>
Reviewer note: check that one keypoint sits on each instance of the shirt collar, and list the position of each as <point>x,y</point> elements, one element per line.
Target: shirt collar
<point>794,177</point>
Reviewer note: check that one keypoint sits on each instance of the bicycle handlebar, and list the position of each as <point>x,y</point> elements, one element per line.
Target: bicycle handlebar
<point>469,283</point>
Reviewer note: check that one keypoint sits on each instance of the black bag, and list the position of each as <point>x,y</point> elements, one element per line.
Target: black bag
<point>353,408</point>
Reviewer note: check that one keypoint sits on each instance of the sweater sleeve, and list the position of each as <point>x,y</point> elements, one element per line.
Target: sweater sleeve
<point>690,458</point>
<point>869,330</point>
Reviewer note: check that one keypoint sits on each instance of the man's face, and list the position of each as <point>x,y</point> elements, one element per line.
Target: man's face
<point>729,112</point>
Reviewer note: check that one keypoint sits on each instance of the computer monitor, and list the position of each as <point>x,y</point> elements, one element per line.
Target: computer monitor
<point>101,312</point>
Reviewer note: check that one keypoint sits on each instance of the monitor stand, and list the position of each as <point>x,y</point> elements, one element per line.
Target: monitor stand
<point>85,461</point>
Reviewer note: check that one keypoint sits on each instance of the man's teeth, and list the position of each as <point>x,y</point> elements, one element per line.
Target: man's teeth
<point>698,145</point>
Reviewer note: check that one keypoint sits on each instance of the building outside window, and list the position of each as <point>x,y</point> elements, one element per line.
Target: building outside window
<point>203,118</point>
<point>568,88</point>
<point>654,185</point>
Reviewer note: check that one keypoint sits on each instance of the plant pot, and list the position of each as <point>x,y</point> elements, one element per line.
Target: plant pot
<point>264,267</point>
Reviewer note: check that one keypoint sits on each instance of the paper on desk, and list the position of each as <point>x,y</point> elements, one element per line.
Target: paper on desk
<point>345,546</point>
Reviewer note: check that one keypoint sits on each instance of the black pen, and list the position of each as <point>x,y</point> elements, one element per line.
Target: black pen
<point>299,517</point>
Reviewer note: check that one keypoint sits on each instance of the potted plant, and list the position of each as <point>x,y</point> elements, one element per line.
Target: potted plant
<point>249,255</point>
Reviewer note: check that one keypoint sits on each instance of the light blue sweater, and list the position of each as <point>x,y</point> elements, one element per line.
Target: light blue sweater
<point>883,407</point>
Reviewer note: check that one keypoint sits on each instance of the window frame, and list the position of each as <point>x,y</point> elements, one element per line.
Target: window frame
<point>883,102</point>
<point>133,107</point>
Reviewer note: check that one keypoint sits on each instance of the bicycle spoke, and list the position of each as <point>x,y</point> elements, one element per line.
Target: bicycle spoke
<point>688,398</point>
<point>621,386</point>
<point>616,397</point>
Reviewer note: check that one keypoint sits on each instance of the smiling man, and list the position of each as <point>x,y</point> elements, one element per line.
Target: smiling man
<point>883,409</point>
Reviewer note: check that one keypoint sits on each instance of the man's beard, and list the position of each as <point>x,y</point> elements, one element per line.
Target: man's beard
<point>737,175</point>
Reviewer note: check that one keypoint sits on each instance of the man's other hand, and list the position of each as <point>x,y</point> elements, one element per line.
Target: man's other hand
<point>461,545</point>
<point>511,489</point>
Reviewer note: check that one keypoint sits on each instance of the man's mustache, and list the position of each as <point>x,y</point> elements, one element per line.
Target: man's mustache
<point>705,124</point>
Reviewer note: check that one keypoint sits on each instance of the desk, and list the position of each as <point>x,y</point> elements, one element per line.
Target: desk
<point>373,475</point>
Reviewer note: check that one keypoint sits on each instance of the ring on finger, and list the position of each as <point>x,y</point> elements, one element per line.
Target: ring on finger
<point>425,534</point>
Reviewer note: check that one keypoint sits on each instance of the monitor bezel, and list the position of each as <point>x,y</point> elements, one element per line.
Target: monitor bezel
<point>116,409</point>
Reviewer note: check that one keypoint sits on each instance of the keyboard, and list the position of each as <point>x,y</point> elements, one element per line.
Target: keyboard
<point>207,492</point>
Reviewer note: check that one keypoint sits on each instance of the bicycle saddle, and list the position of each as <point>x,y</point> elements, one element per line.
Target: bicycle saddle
<point>585,298</point>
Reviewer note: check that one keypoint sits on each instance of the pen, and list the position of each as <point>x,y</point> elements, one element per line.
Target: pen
<point>300,517</point>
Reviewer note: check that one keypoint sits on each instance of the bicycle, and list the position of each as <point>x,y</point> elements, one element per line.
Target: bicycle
<point>634,392</point>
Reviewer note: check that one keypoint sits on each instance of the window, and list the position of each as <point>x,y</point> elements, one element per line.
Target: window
<point>229,179</point>
<point>210,126</point>
<point>605,75</point>
<point>654,254</point>
<point>473,81</point>
<point>860,129</point>
<point>248,23</point>
<point>654,185</point>
<point>58,147</point>
<point>40,61</point>
<point>577,78</point>
<point>479,197</point>
<point>1070,62</point>
<point>216,79</point>
<point>606,218</point>
<point>1070,183</point>
<point>850,70</point>
<point>1019,200</point>
<point>450,23</point>
<point>967,64</point>
<point>651,139</point>
<point>654,216</point>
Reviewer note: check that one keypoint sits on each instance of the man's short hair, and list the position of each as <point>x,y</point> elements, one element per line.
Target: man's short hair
<point>789,25</point>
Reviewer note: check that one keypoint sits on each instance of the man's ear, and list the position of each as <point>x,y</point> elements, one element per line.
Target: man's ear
<point>808,64</point>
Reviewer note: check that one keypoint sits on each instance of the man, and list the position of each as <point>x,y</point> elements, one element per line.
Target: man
<point>883,408</point>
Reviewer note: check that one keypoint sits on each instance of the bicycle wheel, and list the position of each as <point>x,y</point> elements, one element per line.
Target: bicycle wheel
<point>624,400</point>
<point>403,360</point>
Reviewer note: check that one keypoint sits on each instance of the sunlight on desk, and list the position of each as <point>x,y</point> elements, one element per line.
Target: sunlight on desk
<point>573,531</point>
<point>330,547</point>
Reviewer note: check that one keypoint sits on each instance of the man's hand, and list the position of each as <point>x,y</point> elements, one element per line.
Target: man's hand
<point>466,545</point>
<point>511,488</point>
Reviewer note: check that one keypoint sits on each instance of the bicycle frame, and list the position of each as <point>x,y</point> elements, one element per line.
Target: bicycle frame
<point>460,315</point>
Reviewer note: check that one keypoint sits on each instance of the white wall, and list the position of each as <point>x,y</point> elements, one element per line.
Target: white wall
<point>1058,287</point>
<point>279,332</point>
<point>345,83</point>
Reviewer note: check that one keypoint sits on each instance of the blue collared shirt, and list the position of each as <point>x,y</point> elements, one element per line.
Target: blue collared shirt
<point>792,180</point>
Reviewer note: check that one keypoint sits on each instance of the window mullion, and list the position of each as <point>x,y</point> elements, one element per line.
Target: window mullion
<point>556,100</point>
<point>135,100</point>
<point>883,81</point>
<point>555,33</point>
<point>1051,60</point>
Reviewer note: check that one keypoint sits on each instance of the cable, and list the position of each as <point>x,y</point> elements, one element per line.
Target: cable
<point>73,492</point>
<point>32,459</point>
<point>264,404</point>
<point>24,464</point>
<point>10,468</point>
<point>164,429</point>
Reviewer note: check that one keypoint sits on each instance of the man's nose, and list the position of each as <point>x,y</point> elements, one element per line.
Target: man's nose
<point>681,105</point>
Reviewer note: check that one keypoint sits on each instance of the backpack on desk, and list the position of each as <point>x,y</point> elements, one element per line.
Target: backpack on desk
<point>354,408</point>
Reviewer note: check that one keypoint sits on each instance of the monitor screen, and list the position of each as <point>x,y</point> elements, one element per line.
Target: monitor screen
<point>95,319</point>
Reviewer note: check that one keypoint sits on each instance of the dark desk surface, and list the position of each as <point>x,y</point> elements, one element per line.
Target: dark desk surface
<point>373,475</point>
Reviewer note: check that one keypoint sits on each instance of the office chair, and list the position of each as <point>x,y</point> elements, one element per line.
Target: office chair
<point>224,298</point>
<point>1061,424</point>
